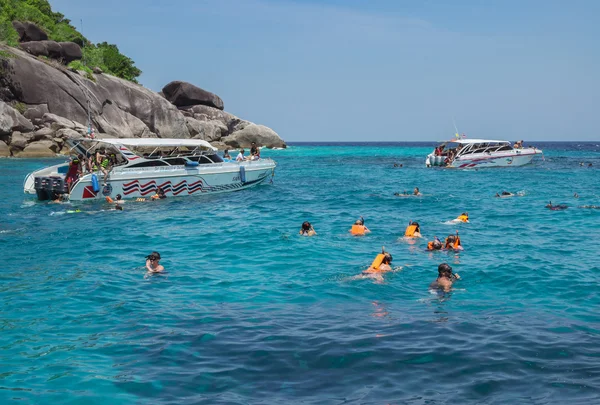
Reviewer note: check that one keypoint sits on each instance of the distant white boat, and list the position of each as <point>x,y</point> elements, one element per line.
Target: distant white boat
<point>468,153</point>
<point>141,166</point>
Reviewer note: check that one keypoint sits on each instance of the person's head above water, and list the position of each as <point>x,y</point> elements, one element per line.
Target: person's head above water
<point>154,256</point>
<point>360,221</point>
<point>444,270</point>
<point>119,197</point>
<point>306,226</point>
<point>387,258</point>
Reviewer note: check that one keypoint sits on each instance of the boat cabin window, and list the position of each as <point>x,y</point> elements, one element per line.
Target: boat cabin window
<point>175,161</point>
<point>151,163</point>
<point>206,159</point>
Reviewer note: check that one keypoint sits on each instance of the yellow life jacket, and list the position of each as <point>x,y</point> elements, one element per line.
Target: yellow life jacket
<point>410,230</point>
<point>378,260</point>
<point>463,218</point>
<point>358,230</point>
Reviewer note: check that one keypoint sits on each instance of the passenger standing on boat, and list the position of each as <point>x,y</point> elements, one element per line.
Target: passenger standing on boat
<point>445,278</point>
<point>73,172</point>
<point>240,157</point>
<point>152,263</point>
<point>254,152</point>
<point>307,229</point>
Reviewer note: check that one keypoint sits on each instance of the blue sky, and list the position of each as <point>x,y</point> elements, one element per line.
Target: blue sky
<point>376,70</point>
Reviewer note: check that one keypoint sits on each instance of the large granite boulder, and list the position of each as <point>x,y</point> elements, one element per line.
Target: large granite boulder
<point>118,107</point>
<point>11,120</point>
<point>35,48</point>
<point>18,142</point>
<point>20,28</point>
<point>184,94</point>
<point>53,48</point>
<point>263,136</point>
<point>28,31</point>
<point>38,149</point>
<point>4,150</point>
<point>209,131</point>
<point>70,51</point>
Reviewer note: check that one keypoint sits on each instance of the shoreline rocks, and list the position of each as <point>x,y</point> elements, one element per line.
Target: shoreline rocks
<point>42,105</point>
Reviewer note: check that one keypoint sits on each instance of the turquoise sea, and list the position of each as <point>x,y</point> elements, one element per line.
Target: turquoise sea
<point>250,312</point>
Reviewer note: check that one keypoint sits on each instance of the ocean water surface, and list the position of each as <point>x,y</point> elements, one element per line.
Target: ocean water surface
<point>250,312</point>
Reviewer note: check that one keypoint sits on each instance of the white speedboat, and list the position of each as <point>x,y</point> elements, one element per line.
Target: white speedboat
<point>140,166</point>
<point>468,153</point>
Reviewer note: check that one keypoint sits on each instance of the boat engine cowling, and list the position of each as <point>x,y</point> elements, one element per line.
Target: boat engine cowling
<point>47,187</point>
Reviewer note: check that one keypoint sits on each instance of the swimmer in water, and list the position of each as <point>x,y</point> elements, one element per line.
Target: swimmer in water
<point>381,264</point>
<point>307,229</point>
<point>416,191</point>
<point>558,207</point>
<point>464,217</point>
<point>152,263</point>
<point>504,194</point>
<point>359,227</point>
<point>413,230</point>
<point>435,244</point>
<point>445,278</point>
<point>453,242</point>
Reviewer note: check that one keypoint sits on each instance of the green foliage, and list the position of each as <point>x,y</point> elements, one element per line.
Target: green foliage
<point>20,107</point>
<point>6,55</point>
<point>117,63</point>
<point>105,56</point>
<point>8,35</point>
<point>78,65</point>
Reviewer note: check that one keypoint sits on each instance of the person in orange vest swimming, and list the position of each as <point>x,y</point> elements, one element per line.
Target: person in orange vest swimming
<point>453,242</point>
<point>359,227</point>
<point>464,217</point>
<point>413,230</point>
<point>381,264</point>
<point>435,244</point>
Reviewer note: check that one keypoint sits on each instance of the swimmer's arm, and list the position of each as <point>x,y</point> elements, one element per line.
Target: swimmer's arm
<point>148,265</point>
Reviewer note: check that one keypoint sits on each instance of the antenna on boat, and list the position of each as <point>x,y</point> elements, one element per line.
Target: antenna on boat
<point>455,128</point>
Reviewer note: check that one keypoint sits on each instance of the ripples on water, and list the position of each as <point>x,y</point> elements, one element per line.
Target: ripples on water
<point>250,312</point>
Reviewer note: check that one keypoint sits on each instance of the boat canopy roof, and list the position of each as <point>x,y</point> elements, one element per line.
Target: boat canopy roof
<point>471,141</point>
<point>156,142</point>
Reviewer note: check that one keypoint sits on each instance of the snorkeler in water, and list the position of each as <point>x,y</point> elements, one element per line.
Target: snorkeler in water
<point>445,278</point>
<point>359,227</point>
<point>307,229</point>
<point>558,207</point>
<point>381,264</point>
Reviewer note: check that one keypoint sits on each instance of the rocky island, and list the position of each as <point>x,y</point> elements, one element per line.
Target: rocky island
<point>47,95</point>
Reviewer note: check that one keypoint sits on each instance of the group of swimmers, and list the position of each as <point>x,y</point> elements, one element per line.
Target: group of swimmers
<point>382,262</point>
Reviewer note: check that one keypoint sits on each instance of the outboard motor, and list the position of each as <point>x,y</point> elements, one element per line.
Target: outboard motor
<point>47,187</point>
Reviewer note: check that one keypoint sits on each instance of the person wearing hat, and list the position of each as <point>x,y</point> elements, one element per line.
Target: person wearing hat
<point>152,263</point>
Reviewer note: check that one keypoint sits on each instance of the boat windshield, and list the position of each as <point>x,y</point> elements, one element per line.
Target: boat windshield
<point>483,147</point>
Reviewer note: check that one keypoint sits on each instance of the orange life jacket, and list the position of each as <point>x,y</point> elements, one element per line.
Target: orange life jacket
<point>358,230</point>
<point>109,200</point>
<point>463,218</point>
<point>378,260</point>
<point>457,242</point>
<point>410,230</point>
<point>429,245</point>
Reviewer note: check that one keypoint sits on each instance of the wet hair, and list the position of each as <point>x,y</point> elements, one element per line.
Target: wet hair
<point>451,238</point>
<point>153,255</point>
<point>444,270</point>
<point>306,226</point>
<point>360,221</point>
<point>118,207</point>
<point>387,258</point>
<point>119,196</point>
<point>437,244</point>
